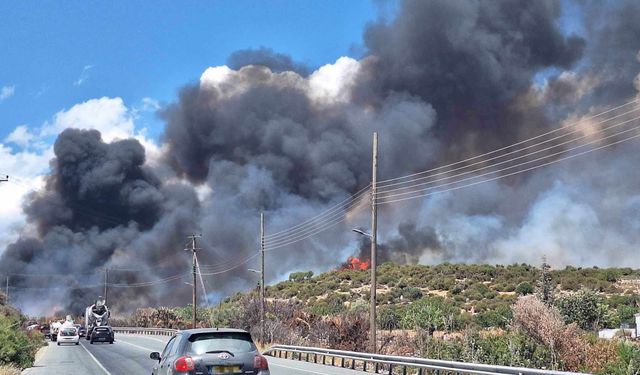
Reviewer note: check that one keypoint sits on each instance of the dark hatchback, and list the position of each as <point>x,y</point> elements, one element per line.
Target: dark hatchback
<point>102,334</point>
<point>210,351</point>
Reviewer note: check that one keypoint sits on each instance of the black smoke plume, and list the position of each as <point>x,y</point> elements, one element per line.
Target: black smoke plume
<point>440,81</point>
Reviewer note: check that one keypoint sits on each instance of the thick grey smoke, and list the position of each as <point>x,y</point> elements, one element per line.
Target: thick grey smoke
<point>263,56</point>
<point>442,81</point>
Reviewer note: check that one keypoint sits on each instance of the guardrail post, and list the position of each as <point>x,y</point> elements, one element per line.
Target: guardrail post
<point>353,363</point>
<point>390,369</point>
<point>364,366</point>
<point>324,357</point>
<point>333,361</point>
<point>315,357</point>
<point>377,367</point>
<point>404,370</point>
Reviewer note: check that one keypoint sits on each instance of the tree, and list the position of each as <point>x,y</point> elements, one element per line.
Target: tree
<point>585,308</point>
<point>524,288</point>
<point>426,314</point>
<point>545,284</point>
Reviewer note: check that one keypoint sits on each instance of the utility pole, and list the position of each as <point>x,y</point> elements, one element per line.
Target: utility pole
<point>106,280</point>
<point>194,266</point>
<point>374,240</point>
<point>6,291</point>
<point>262,294</point>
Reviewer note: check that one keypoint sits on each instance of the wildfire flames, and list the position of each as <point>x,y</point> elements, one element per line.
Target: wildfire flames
<point>354,263</point>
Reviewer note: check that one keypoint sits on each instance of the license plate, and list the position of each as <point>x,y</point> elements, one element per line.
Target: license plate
<point>224,369</point>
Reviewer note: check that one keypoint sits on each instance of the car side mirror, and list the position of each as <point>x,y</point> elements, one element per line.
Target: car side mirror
<point>155,355</point>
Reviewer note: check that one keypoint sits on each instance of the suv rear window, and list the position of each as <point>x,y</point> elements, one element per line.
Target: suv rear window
<point>234,342</point>
<point>68,332</point>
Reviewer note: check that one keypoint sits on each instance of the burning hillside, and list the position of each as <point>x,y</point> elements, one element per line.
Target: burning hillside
<point>354,263</point>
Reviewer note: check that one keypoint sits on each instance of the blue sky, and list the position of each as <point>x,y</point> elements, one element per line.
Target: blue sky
<point>57,54</point>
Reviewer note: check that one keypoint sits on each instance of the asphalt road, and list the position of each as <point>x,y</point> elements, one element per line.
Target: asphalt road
<point>130,355</point>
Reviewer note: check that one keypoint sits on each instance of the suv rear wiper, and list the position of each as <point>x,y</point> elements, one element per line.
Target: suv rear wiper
<point>220,351</point>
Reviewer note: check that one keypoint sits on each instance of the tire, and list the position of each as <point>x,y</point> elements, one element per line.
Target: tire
<point>77,343</point>
<point>111,342</point>
<point>91,342</point>
<point>58,344</point>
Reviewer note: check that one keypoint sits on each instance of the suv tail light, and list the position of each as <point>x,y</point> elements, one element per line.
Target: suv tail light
<point>184,364</point>
<point>260,363</point>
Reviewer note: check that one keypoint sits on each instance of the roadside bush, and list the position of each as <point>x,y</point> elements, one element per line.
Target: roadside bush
<point>17,347</point>
<point>389,317</point>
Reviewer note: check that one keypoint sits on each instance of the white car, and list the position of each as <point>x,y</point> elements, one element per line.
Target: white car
<point>68,335</point>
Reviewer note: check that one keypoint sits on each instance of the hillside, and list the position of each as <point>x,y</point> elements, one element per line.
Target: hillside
<point>478,313</point>
<point>478,291</point>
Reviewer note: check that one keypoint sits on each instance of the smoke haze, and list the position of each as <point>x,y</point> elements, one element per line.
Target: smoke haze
<point>440,82</point>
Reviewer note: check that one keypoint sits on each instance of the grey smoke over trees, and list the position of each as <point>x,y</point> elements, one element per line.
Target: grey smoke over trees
<point>441,81</point>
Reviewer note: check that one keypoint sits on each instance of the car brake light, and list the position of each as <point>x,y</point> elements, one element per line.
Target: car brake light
<point>260,363</point>
<point>184,364</point>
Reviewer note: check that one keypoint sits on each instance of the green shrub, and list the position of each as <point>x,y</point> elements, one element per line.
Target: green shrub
<point>524,288</point>
<point>16,346</point>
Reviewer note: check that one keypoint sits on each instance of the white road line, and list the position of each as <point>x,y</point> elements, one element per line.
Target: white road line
<point>143,336</point>
<point>296,368</point>
<point>96,360</point>
<point>137,346</point>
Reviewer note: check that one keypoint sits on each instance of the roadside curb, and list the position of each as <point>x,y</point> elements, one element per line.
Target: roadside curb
<point>36,361</point>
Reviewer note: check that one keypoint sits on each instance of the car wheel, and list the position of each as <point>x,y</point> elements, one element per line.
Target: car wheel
<point>111,342</point>
<point>58,344</point>
<point>77,343</point>
<point>91,342</point>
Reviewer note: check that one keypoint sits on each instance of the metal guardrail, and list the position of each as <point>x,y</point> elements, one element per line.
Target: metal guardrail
<point>388,364</point>
<point>145,331</point>
<point>368,362</point>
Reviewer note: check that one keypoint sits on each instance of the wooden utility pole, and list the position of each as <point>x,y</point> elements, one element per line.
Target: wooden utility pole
<point>262,294</point>
<point>374,240</point>
<point>194,271</point>
<point>6,291</point>
<point>106,280</point>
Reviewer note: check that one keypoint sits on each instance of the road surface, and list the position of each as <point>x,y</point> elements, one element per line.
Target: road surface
<point>129,355</point>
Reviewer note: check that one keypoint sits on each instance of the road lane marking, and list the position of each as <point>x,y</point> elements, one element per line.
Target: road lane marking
<point>96,360</point>
<point>137,346</point>
<point>297,369</point>
<point>143,336</point>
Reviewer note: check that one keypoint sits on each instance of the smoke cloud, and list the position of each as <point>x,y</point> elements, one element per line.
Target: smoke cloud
<point>441,81</point>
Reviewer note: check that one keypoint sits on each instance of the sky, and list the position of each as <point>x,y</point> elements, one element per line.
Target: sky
<point>58,55</point>
<point>125,126</point>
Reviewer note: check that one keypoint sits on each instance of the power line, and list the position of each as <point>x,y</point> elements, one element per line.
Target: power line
<point>506,161</point>
<point>312,230</point>
<point>512,173</point>
<point>230,268</point>
<point>512,152</point>
<point>330,210</point>
<point>512,145</point>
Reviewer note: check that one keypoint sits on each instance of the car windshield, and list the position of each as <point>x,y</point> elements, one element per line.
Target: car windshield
<point>68,332</point>
<point>234,342</point>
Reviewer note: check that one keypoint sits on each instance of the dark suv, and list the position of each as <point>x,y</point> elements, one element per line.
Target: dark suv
<point>210,351</point>
<point>101,334</point>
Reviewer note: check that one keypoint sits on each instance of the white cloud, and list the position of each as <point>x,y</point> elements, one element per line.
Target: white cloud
<point>108,115</point>
<point>328,85</point>
<point>333,82</point>
<point>6,92</point>
<point>84,75</point>
<point>25,170</point>
<point>21,136</point>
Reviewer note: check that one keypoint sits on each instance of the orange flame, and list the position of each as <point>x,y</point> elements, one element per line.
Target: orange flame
<point>354,263</point>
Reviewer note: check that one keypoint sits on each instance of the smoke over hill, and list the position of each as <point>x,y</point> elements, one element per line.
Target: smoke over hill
<point>442,81</point>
